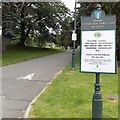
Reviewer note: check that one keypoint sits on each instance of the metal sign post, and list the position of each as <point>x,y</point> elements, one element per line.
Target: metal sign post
<point>98,51</point>
<point>97,100</point>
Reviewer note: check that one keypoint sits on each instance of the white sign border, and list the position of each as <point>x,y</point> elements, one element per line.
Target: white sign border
<point>81,53</point>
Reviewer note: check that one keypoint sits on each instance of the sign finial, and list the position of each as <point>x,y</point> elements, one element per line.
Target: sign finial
<point>98,6</point>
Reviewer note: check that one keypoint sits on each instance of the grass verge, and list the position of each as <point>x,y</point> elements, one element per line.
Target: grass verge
<point>70,96</point>
<point>14,54</point>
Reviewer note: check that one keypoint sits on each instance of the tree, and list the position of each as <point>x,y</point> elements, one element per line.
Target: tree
<point>10,23</point>
<point>64,39</point>
<point>22,19</point>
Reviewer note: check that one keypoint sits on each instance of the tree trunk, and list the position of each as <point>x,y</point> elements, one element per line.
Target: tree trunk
<point>22,29</point>
<point>66,47</point>
<point>4,44</point>
<point>22,34</point>
<point>118,54</point>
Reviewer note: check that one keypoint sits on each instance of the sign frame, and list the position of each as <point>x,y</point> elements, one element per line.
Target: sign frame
<point>106,28</point>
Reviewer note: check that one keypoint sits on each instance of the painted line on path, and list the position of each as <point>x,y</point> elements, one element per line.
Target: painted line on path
<point>27,77</point>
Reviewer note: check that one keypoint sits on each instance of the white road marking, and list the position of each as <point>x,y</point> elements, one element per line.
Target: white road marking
<point>28,77</point>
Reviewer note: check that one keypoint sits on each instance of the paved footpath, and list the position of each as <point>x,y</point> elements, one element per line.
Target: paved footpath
<point>22,82</point>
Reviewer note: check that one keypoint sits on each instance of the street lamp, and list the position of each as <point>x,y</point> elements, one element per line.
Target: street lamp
<point>74,38</point>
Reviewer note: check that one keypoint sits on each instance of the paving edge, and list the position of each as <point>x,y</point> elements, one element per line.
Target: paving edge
<point>27,111</point>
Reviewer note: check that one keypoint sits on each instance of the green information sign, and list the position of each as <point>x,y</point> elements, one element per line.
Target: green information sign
<point>98,51</point>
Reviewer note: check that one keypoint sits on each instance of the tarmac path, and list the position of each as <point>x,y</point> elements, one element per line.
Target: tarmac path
<point>22,82</point>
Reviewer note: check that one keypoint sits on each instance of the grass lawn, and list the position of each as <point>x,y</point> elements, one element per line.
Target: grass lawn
<point>70,96</point>
<point>15,54</point>
<point>119,88</point>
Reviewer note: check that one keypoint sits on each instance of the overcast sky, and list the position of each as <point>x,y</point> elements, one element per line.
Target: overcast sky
<point>70,4</point>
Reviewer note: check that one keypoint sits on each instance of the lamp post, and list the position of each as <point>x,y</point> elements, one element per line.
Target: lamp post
<point>74,38</point>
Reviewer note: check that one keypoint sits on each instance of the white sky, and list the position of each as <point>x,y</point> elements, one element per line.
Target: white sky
<point>70,4</point>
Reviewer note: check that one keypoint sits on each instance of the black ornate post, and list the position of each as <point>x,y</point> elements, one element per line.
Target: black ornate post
<point>73,53</point>
<point>97,100</point>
